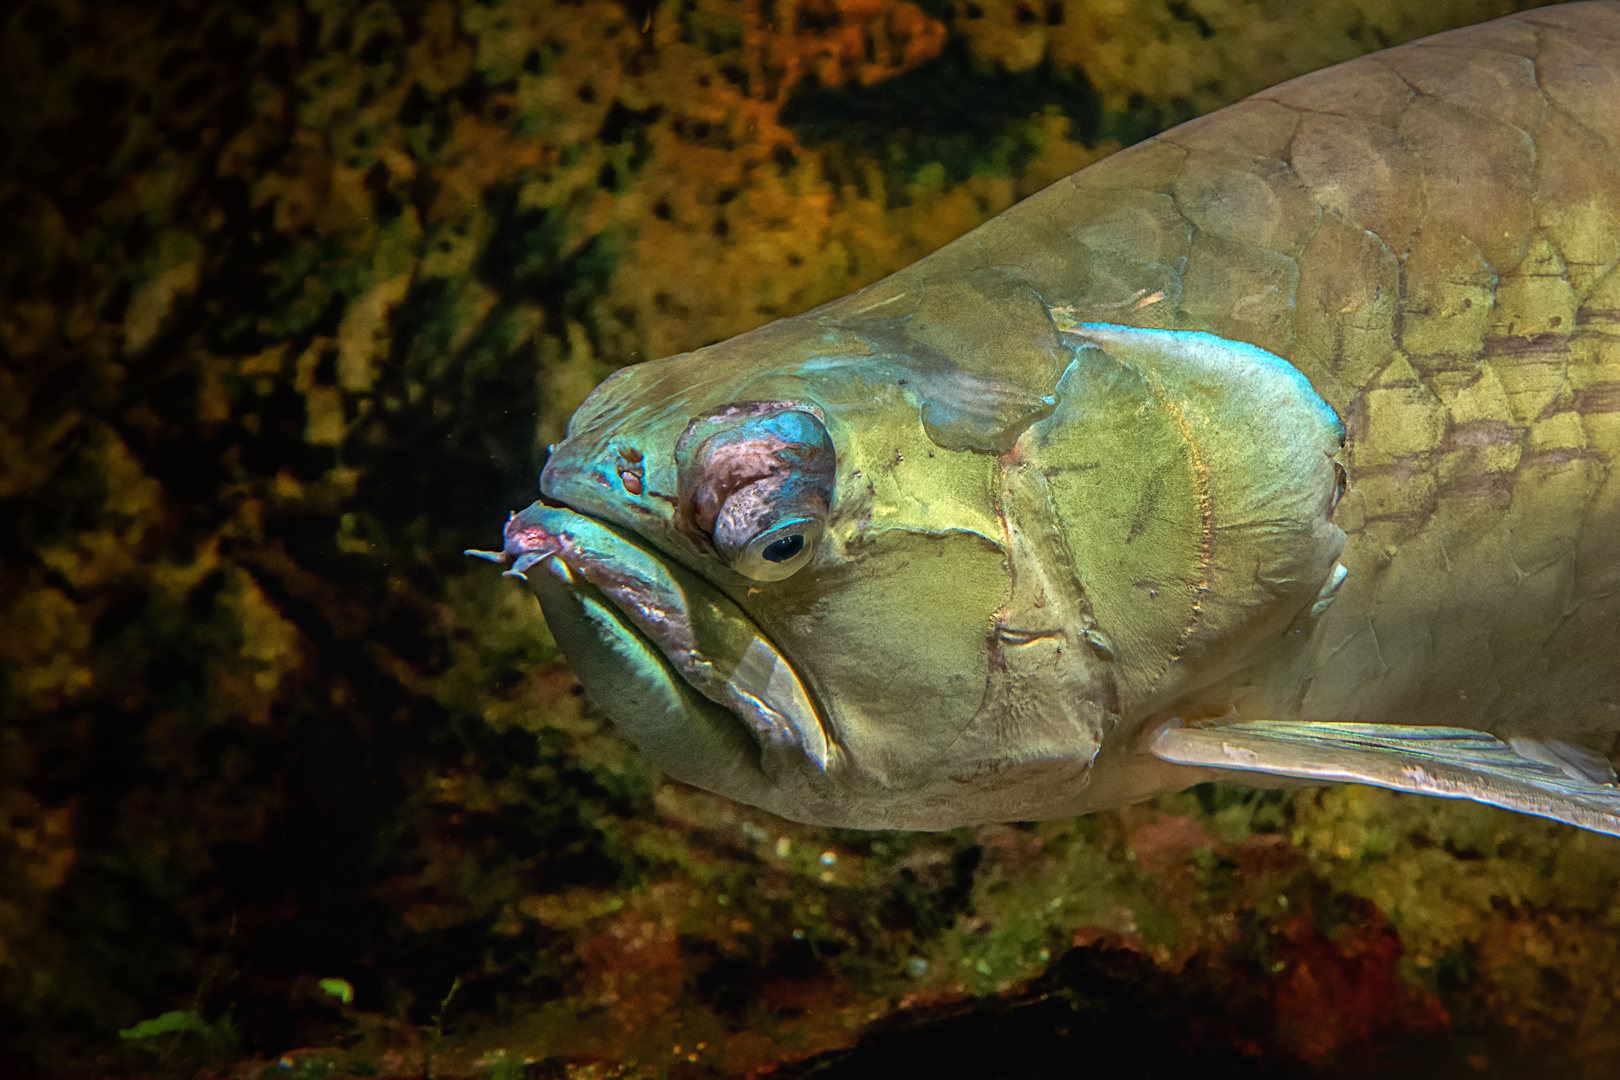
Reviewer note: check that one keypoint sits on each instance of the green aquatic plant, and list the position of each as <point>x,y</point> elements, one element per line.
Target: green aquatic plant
<point>340,989</point>
<point>161,1034</point>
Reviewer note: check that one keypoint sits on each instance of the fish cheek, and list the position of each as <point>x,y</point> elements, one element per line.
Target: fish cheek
<point>893,637</point>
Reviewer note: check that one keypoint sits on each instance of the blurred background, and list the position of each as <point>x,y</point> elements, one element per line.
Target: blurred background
<point>292,297</point>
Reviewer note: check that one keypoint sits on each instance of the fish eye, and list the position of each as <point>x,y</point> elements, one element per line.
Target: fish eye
<point>756,481</point>
<point>780,551</point>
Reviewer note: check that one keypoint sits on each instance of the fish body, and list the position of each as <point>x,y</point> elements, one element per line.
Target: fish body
<point>1279,447</point>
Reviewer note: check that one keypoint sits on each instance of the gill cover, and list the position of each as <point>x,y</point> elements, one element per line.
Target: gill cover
<point>1195,479</point>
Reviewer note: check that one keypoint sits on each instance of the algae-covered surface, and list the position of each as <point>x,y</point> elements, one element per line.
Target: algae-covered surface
<point>292,298</point>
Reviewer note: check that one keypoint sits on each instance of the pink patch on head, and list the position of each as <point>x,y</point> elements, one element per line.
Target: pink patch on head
<point>525,537</point>
<point>632,482</point>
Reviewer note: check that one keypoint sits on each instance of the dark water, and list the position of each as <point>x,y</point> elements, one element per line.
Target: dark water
<point>294,296</point>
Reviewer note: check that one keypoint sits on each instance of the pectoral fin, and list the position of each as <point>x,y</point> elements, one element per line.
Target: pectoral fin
<point>1453,763</point>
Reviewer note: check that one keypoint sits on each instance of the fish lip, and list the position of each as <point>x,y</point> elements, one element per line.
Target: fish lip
<point>762,689</point>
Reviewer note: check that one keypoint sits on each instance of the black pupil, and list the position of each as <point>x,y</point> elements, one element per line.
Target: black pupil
<point>784,549</point>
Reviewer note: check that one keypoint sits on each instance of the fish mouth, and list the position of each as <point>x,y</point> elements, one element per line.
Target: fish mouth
<point>701,640</point>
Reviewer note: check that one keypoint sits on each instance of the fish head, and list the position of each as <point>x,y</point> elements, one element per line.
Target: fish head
<point>791,541</point>
<point>838,567</point>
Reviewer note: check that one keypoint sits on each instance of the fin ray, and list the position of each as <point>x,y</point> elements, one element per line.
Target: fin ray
<point>1575,761</point>
<point>1454,763</point>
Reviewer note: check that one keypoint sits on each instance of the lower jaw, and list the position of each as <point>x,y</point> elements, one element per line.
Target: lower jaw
<point>628,678</point>
<point>670,627</point>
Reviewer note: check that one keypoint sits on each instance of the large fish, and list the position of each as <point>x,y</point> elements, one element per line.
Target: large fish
<point>1280,447</point>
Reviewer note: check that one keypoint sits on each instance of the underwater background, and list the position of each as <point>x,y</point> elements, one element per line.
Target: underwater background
<point>293,295</point>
